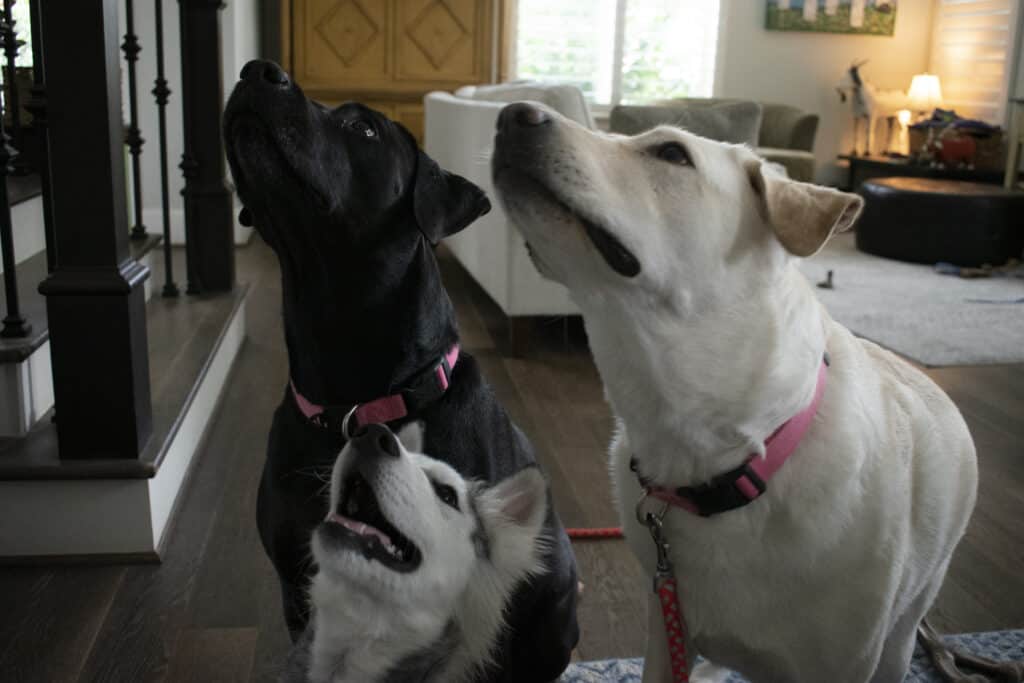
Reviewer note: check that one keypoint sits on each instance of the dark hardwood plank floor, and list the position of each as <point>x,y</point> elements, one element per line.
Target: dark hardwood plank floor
<point>211,611</point>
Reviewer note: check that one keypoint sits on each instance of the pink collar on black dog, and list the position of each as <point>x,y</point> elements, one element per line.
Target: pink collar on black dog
<point>387,408</point>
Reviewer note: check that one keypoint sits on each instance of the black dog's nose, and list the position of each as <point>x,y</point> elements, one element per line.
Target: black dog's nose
<point>523,115</point>
<point>375,440</point>
<point>259,70</point>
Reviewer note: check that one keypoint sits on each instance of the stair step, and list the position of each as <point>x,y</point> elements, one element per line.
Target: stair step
<point>30,273</point>
<point>182,335</point>
<point>21,188</point>
<point>117,507</point>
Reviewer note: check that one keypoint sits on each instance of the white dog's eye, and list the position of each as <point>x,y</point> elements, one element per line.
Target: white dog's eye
<point>361,126</point>
<point>447,494</point>
<point>674,153</point>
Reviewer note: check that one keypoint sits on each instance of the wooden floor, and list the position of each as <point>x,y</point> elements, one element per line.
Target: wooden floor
<point>210,612</point>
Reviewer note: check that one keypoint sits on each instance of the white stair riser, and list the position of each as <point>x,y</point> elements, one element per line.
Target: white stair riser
<point>26,392</point>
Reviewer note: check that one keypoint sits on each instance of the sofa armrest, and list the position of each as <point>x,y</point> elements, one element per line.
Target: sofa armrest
<point>786,127</point>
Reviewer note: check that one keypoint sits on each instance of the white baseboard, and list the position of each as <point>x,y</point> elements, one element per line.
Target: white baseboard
<point>74,517</point>
<point>166,485</point>
<point>78,518</point>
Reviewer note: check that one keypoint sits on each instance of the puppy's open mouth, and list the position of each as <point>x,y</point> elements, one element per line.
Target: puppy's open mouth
<point>358,524</point>
<point>618,257</point>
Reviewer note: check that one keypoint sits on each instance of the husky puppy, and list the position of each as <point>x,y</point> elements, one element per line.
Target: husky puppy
<point>415,565</point>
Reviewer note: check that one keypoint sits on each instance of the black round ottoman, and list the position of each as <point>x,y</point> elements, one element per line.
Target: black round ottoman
<point>926,221</point>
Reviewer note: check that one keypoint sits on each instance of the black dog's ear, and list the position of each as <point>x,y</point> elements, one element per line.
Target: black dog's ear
<point>443,202</point>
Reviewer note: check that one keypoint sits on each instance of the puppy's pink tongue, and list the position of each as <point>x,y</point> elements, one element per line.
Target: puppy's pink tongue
<point>359,527</point>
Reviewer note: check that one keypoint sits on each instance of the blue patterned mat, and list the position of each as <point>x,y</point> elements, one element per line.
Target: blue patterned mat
<point>999,645</point>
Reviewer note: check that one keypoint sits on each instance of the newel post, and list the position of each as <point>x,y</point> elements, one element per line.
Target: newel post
<point>94,296</point>
<point>209,223</point>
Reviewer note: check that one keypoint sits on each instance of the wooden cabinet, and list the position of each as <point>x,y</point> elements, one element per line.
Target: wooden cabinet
<point>389,53</point>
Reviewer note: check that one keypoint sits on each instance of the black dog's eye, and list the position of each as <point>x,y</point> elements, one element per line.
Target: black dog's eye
<point>447,494</point>
<point>674,153</point>
<point>363,128</point>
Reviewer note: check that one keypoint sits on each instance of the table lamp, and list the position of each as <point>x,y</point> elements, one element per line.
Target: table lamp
<point>925,93</point>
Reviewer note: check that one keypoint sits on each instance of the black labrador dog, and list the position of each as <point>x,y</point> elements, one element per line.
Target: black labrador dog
<point>353,209</point>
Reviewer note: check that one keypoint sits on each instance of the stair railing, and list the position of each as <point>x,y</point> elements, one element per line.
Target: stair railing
<point>14,323</point>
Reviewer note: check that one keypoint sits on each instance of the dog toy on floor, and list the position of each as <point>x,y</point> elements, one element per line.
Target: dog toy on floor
<point>949,660</point>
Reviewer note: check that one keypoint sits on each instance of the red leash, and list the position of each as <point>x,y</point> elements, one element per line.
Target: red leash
<point>667,590</point>
<point>664,585</point>
<point>597,534</point>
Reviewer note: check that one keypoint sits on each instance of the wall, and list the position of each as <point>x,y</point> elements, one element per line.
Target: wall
<point>802,69</point>
<point>240,43</point>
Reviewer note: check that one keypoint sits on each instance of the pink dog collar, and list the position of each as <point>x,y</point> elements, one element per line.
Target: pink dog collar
<point>746,483</point>
<point>428,386</point>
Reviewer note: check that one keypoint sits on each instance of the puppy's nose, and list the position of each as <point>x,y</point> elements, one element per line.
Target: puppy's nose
<point>262,71</point>
<point>376,440</point>
<point>522,115</point>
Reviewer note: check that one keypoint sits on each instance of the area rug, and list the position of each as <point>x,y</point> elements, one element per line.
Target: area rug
<point>999,645</point>
<point>913,310</point>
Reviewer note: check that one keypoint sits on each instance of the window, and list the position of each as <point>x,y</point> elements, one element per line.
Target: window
<point>972,53</point>
<point>620,51</point>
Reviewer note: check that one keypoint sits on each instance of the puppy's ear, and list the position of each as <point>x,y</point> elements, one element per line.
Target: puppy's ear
<point>443,202</point>
<point>411,437</point>
<point>803,216</point>
<point>520,500</point>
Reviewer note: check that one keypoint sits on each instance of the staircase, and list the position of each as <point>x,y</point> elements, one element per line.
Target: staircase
<point>106,396</point>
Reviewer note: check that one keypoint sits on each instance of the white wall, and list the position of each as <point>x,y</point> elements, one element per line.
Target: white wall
<point>240,36</point>
<point>802,69</point>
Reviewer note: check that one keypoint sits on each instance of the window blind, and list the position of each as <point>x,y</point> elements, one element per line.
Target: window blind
<point>972,51</point>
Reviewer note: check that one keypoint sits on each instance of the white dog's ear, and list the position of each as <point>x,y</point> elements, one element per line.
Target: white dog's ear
<point>520,499</point>
<point>411,437</point>
<point>803,216</point>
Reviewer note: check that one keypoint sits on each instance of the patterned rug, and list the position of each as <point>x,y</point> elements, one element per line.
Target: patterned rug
<point>999,645</point>
<point>913,310</point>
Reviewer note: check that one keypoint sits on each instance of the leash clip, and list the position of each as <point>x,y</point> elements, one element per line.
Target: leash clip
<point>654,523</point>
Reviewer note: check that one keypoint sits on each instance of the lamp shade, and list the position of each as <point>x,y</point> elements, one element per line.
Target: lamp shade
<point>925,92</point>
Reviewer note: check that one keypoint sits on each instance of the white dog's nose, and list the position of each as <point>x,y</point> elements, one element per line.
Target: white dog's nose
<point>523,115</point>
<point>376,440</point>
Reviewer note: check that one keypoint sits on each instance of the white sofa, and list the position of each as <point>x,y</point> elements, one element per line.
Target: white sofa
<point>460,137</point>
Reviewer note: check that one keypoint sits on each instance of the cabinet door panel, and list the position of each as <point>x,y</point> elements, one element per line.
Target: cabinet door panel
<point>442,40</point>
<point>342,43</point>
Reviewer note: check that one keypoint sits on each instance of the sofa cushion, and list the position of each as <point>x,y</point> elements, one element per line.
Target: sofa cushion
<point>737,122</point>
<point>566,99</point>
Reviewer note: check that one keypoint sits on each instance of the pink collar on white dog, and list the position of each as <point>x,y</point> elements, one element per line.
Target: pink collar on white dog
<point>425,387</point>
<point>746,483</point>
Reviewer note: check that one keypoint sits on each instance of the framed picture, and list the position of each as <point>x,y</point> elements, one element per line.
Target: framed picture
<point>865,17</point>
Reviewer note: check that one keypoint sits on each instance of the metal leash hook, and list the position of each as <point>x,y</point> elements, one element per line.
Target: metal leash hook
<point>666,588</point>
<point>654,523</point>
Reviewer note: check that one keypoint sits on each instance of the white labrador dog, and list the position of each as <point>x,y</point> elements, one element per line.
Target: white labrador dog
<point>680,251</point>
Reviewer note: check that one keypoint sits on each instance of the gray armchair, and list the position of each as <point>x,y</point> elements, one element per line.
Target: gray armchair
<point>778,132</point>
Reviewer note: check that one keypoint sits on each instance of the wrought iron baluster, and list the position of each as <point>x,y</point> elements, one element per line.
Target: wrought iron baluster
<point>37,107</point>
<point>14,324</point>
<point>12,96</point>
<point>132,138</point>
<point>162,92</point>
